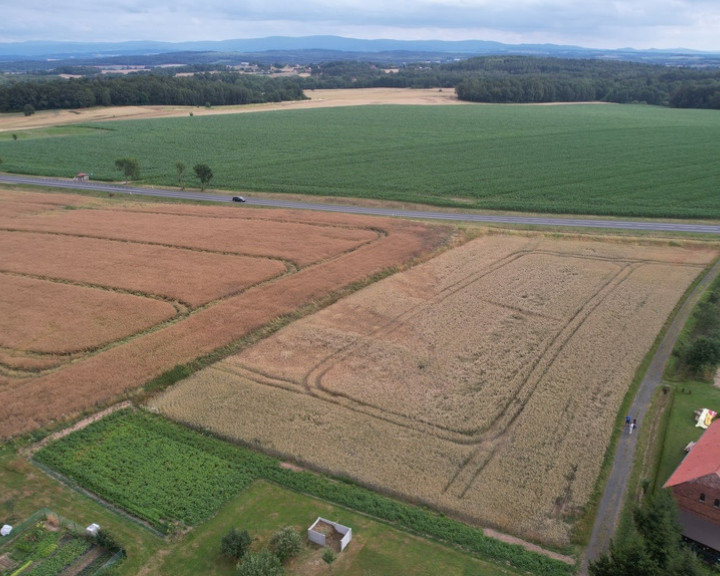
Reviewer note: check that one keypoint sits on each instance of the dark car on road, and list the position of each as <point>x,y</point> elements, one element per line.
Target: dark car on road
<point>238,199</point>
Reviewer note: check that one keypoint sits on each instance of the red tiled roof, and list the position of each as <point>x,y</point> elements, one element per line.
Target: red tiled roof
<point>703,459</point>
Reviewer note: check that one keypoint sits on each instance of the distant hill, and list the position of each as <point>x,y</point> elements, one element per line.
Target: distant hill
<point>312,49</point>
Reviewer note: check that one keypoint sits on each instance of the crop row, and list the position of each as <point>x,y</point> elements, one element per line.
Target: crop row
<point>65,555</point>
<point>131,454</point>
<point>600,159</point>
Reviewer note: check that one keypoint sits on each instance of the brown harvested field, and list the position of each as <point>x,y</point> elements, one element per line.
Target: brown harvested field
<point>100,298</point>
<point>50,317</point>
<point>211,229</point>
<point>191,277</point>
<point>484,382</point>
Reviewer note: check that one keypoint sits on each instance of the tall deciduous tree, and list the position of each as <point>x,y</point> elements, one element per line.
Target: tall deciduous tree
<point>204,174</point>
<point>129,167</point>
<point>180,167</point>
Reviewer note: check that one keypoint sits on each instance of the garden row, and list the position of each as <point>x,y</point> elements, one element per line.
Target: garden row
<point>169,475</point>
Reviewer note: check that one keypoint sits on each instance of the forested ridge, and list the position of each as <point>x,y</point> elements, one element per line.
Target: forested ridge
<point>498,79</point>
<point>214,89</point>
<point>524,79</point>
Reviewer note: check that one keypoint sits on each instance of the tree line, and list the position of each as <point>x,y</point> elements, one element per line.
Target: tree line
<point>526,79</point>
<point>697,352</point>
<point>497,79</point>
<point>203,89</point>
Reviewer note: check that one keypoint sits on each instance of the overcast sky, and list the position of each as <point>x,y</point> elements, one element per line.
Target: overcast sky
<point>589,23</point>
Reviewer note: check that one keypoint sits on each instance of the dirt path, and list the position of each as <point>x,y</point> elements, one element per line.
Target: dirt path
<point>608,514</point>
<point>528,546</point>
<point>84,423</point>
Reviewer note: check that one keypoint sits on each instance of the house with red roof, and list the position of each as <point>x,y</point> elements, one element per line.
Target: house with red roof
<point>696,487</point>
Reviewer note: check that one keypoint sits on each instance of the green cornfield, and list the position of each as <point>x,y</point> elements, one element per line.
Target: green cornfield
<point>604,159</point>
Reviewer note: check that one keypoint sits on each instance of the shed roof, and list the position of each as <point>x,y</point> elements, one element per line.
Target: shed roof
<point>702,460</point>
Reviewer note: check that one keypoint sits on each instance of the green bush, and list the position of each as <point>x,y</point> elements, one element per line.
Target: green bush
<point>263,563</point>
<point>328,556</point>
<point>235,544</point>
<point>286,543</point>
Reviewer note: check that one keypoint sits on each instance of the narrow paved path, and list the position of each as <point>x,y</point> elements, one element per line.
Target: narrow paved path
<point>608,513</point>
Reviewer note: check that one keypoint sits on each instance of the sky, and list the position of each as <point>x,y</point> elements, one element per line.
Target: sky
<point>641,24</point>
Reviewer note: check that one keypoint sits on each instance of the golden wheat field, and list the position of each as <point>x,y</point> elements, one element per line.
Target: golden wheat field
<point>99,296</point>
<point>484,382</point>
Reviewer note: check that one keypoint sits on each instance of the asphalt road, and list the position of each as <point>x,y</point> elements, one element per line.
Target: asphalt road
<point>634,225</point>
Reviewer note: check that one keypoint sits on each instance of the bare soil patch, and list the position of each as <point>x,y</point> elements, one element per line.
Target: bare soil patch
<point>473,374</point>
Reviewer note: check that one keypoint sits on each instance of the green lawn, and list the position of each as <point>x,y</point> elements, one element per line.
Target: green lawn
<point>375,549</point>
<point>628,160</point>
<point>689,396</point>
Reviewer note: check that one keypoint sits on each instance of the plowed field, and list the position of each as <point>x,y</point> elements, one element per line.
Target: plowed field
<point>484,382</point>
<point>99,296</point>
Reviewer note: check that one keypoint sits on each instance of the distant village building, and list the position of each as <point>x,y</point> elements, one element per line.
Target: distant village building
<point>696,487</point>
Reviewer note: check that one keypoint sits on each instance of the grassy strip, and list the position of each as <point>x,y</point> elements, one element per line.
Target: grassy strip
<point>105,458</point>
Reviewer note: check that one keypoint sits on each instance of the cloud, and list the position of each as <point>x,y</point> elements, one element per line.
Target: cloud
<point>613,23</point>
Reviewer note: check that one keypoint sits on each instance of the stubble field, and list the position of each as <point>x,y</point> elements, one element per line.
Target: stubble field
<point>97,297</point>
<point>484,382</point>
